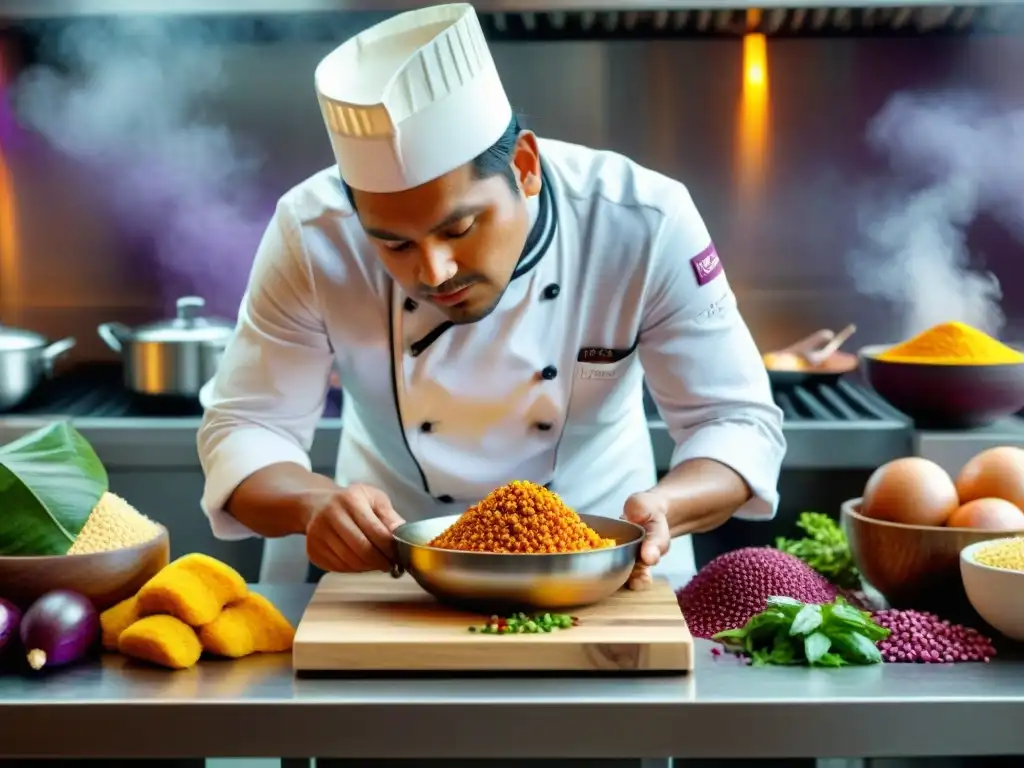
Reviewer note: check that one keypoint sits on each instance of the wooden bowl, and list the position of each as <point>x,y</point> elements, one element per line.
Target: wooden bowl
<point>913,566</point>
<point>946,396</point>
<point>106,578</point>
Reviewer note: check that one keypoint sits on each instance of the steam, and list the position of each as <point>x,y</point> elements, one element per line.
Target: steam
<point>126,102</point>
<point>959,156</point>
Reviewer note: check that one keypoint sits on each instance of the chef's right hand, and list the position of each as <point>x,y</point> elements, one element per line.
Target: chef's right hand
<point>350,531</point>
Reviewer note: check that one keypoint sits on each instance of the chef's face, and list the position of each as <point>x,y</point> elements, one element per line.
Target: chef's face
<point>455,241</point>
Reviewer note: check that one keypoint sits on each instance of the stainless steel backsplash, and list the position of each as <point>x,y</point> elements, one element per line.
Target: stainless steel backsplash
<point>76,259</point>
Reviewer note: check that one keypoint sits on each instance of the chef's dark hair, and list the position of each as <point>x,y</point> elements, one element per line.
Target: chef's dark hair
<point>496,160</point>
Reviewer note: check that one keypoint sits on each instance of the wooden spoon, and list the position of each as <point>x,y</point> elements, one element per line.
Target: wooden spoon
<point>819,356</point>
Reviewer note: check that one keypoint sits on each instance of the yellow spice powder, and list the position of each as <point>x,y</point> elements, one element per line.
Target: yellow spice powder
<point>953,344</point>
<point>1008,555</point>
<point>113,524</point>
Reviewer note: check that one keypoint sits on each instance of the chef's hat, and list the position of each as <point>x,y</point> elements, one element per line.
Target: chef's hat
<point>412,98</point>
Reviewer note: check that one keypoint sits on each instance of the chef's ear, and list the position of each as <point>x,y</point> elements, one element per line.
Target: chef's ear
<point>526,162</point>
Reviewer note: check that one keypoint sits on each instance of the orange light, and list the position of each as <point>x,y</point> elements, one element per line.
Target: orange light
<point>752,123</point>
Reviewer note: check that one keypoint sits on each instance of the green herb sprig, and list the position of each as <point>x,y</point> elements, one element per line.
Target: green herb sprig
<point>789,632</point>
<point>824,549</point>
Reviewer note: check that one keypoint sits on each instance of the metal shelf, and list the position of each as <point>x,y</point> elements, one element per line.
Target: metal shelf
<point>587,19</point>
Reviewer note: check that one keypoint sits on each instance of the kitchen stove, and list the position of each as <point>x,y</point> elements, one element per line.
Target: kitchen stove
<point>97,391</point>
<point>840,425</point>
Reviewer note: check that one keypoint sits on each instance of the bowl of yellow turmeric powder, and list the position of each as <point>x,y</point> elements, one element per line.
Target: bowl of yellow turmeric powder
<point>951,376</point>
<point>519,548</point>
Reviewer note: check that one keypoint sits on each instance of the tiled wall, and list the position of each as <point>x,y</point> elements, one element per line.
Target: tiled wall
<point>161,207</point>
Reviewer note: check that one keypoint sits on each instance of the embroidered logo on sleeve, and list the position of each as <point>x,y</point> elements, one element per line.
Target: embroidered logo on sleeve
<point>706,265</point>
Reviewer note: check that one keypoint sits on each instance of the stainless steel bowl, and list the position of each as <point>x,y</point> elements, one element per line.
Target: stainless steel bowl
<point>491,583</point>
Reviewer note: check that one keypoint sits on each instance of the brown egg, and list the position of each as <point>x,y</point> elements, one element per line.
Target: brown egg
<point>988,515</point>
<point>912,490</point>
<point>997,473</point>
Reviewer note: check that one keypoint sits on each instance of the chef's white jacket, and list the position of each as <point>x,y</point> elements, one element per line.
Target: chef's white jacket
<point>619,281</point>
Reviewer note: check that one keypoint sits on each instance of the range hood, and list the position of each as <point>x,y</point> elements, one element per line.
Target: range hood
<point>595,19</point>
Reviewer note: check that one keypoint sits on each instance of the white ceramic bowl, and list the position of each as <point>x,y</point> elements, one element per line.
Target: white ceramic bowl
<point>997,594</point>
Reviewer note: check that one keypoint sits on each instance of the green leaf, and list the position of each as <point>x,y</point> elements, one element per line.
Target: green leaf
<point>50,481</point>
<point>856,648</point>
<point>816,645</point>
<point>807,620</point>
<point>831,659</point>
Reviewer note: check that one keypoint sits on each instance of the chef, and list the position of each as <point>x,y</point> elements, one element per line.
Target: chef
<point>492,302</point>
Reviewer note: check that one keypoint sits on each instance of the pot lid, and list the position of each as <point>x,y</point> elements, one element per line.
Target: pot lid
<point>12,339</point>
<point>189,325</point>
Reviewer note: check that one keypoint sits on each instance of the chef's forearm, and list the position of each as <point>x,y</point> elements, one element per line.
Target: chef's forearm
<point>700,488</point>
<point>278,500</point>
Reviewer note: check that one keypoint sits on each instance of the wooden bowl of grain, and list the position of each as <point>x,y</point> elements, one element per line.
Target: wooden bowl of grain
<point>106,578</point>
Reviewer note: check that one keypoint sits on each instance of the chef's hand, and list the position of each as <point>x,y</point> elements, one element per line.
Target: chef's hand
<point>649,510</point>
<point>350,531</point>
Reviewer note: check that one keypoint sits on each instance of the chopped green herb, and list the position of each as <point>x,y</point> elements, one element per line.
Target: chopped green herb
<point>789,632</point>
<point>521,623</point>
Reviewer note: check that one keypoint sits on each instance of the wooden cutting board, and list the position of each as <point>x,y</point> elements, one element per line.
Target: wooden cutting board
<point>372,622</point>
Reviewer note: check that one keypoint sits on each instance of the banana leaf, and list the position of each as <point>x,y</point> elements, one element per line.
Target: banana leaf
<point>50,481</point>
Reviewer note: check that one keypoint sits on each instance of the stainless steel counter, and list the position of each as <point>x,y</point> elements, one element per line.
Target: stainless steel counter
<point>255,708</point>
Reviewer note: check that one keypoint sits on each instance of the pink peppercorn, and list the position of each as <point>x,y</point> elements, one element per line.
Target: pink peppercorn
<point>924,638</point>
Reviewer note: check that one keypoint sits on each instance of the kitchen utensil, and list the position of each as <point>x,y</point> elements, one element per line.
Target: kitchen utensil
<point>997,594</point>
<point>371,622</point>
<point>818,356</point>
<point>829,372</point>
<point>26,358</point>
<point>499,582</point>
<point>106,578</point>
<point>913,566</point>
<point>946,396</point>
<point>170,357</point>
<point>814,359</point>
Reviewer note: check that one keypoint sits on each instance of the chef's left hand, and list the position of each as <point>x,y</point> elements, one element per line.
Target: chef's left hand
<point>650,510</point>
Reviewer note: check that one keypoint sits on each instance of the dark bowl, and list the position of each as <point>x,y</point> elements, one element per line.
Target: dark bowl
<point>829,372</point>
<point>946,396</point>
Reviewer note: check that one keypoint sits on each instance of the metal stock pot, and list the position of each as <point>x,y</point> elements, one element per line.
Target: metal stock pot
<point>26,358</point>
<point>170,357</point>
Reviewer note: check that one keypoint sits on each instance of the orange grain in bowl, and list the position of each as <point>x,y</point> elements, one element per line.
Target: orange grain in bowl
<point>520,518</point>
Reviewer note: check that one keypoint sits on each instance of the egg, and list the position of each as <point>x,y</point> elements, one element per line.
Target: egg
<point>997,473</point>
<point>988,515</point>
<point>911,490</point>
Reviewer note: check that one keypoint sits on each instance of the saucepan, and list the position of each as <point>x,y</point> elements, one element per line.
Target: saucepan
<point>493,582</point>
<point>813,359</point>
<point>170,357</point>
<point>26,358</point>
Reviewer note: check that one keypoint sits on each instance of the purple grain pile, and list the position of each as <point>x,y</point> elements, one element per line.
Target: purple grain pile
<point>925,638</point>
<point>735,586</point>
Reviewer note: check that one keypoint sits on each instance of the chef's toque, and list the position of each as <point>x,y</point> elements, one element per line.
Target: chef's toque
<point>412,98</point>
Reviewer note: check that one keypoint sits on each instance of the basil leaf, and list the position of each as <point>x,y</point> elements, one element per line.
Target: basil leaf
<point>50,481</point>
<point>816,645</point>
<point>856,648</point>
<point>807,620</point>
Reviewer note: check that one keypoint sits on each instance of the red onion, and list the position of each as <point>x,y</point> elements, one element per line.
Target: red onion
<point>10,620</point>
<point>735,586</point>
<point>925,638</point>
